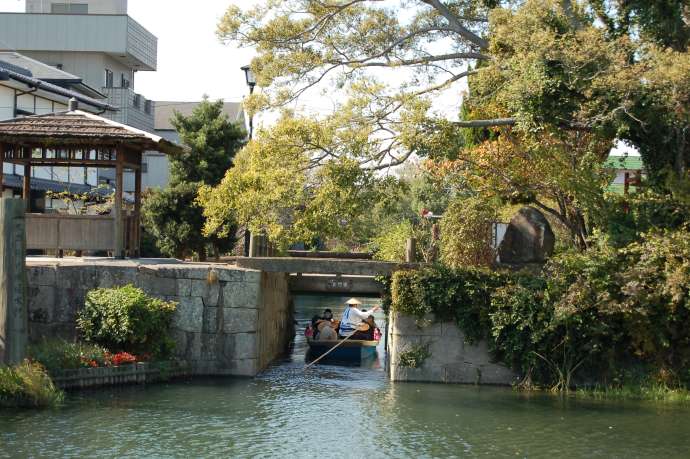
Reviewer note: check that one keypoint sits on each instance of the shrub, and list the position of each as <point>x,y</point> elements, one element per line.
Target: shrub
<point>466,233</point>
<point>462,296</point>
<point>59,355</point>
<point>593,317</point>
<point>126,319</point>
<point>28,385</point>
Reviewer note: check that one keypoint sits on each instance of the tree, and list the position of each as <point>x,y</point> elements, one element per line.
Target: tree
<point>557,80</point>
<point>172,216</point>
<point>211,140</point>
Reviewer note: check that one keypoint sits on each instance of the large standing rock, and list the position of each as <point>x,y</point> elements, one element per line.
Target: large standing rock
<point>528,239</point>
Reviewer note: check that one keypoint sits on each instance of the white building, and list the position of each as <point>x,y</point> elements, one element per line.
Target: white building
<point>95,40</point>
<point>29,87</point>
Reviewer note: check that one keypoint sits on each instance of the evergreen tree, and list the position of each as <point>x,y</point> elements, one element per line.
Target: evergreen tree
<point>172,216</point>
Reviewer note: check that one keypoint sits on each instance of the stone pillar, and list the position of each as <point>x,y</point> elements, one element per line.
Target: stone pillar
<point>14,324</point>
<point>411,251</point>
<point>255,245</point>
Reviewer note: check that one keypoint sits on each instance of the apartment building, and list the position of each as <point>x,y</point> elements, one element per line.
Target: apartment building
<point>29,87</point>
<point>96,40</point>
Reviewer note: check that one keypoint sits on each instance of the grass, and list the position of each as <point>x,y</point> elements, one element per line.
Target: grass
<point>28,385</point>
<point>654,392</point>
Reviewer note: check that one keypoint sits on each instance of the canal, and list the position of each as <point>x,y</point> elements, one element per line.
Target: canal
<point>335,412</point>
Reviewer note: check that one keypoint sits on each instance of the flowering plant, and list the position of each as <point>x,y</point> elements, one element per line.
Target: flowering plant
<point>122,358</point>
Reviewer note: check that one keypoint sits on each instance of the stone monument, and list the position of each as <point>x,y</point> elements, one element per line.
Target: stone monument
<point>528,239</point>
<point>13,308</point>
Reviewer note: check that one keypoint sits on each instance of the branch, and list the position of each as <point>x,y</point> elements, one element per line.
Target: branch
<point>454,22</point>
<point>486,123</point>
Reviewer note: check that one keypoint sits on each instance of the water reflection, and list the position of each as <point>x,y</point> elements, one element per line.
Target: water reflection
<point>337,411</point>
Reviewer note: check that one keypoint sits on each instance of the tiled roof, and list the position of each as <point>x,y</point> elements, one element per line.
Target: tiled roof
<point>79,127</point>
<point>165,110</point>
<point>35,68</point>
<point>11,71</point>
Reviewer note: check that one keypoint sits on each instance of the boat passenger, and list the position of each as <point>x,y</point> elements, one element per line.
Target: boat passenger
<point>352,317</point>
<point>326,331</point>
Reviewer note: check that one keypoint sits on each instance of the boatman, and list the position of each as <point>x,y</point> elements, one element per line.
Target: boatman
<point>352,317</point>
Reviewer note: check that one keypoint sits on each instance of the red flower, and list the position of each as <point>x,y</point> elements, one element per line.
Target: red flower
<point>123,358</point>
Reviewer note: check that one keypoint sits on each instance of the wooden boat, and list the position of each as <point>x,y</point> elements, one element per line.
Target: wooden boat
<point>351,351</point>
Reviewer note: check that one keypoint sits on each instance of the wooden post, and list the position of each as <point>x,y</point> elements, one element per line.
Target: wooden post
<point>2,169</point>
<point>14,326</point>
<point>26,191</point>
<point>411,250</point>
<point>136,243</point>
<point>117,205</point>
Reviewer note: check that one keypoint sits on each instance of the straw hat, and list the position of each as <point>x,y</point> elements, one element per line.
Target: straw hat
<point>353,302</point>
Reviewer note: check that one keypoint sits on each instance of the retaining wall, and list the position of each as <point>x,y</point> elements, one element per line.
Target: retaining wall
<point>450,360</point>
<point>229,321</point>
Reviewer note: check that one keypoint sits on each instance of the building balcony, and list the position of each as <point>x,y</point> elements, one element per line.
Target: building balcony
<point>119,36</point>
<point>135,110</point>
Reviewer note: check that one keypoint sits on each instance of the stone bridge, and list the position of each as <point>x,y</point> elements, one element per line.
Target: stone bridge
<point>326,275</point>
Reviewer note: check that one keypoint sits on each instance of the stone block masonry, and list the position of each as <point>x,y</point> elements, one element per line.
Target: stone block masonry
<point>229,320</point>
<point>449,359</point>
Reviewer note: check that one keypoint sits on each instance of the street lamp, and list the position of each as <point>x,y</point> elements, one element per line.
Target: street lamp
<point>251,82</point>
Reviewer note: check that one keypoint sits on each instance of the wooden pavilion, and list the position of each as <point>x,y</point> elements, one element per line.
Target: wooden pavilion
<point>79,139</point>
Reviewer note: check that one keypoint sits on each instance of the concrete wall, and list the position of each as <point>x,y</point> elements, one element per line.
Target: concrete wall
<point>95,6</point>
<point>229,321</point>
<point>451,359</point>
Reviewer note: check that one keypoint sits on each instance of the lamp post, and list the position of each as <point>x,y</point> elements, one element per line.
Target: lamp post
<point>251,82</point>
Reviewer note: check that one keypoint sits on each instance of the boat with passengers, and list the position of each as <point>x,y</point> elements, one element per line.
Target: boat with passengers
<point>352,339</point>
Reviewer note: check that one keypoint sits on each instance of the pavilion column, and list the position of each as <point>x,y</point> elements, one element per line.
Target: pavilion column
<point>26,191</point>
<point>117,205</point>
<point>2,169</point>
<point>136,243</point>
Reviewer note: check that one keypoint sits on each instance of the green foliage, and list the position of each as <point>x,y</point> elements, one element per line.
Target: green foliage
<point>415,356</point>
<point>389,245</point>
<point>591,317</point>
<point>212,141</point>
<point>28,385</point>
<point>460,296</point>
<point>172,217</point>
<point>466,233</point>
<point>625,218</point>
<point>126,319</point>
<point>57,355</point>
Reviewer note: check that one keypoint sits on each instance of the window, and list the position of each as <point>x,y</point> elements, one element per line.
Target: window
<point>147,107</point>
<point>137,101</point>
<point>69,8</point>
<point>108,78</point>
<point>124,82</point>
<point>144,167</point>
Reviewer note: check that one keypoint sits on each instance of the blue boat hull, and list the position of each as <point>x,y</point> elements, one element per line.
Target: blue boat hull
<point>347,352</point>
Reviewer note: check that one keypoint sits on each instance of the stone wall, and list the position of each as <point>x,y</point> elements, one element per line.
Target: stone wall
<point>450,360</point>
<point>229,321</point>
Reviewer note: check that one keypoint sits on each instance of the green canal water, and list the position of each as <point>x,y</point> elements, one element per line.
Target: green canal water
<point>333,412</point>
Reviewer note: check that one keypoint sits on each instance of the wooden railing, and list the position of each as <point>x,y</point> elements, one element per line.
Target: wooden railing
<point>75,232</point>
